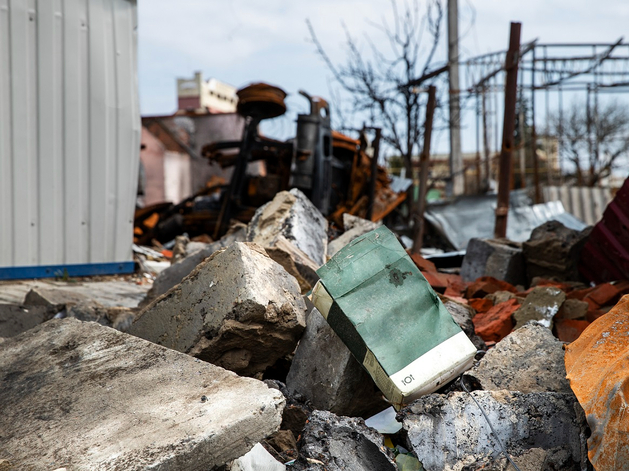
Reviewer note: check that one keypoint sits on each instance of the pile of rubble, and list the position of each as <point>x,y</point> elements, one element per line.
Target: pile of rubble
<point>226,365</point>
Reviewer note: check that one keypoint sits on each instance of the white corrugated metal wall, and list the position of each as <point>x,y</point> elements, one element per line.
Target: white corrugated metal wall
<point>69,131</point>
<point>587,204</point>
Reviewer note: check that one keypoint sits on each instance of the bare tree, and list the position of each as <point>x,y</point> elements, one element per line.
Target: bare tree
<point>374,81</point>
<point>593,142</point>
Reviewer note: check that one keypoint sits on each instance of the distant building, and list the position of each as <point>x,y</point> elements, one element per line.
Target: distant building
<point>200,96</point>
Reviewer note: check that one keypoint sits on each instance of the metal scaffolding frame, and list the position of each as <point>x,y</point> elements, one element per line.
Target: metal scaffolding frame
<point>555,68</point>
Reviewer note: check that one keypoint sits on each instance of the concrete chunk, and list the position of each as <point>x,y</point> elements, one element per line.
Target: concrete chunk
<point>450,433</point>
<point>292,215</point>
<point>529,359</point>
<point>325,373</point>
<point>238,309</point>
<point>540,305</point>
<point>334,443</point>
<point>174,274</point>
<point>77,395</point>
<point>354,227</point>
<point>499,258</point>
<point>16,319</point>
<point>295,262</point>
<point>553,251</point>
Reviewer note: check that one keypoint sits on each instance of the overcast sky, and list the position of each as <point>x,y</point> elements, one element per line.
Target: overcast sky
<point>244,41</point>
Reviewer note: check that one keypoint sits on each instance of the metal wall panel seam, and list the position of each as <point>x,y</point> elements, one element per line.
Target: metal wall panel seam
<point>7,245</point>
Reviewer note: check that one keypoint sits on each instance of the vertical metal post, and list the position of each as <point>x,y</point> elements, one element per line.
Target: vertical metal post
<point>478,159</point>
<point>486,151</point>
<point>374,173</point>
<point>538,194</point>
<point>424,159</point>
<point>522,131</point>
<point>508,127</point>
<point>456,158</point>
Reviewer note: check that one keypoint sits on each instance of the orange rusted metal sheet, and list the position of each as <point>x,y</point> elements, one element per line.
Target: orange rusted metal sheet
<point>597,364</point>
<point>341,141</point>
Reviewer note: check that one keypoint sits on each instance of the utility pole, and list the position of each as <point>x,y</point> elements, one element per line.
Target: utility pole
<point>508,128</point>
<point>424,160</point>
<point>456,159</point>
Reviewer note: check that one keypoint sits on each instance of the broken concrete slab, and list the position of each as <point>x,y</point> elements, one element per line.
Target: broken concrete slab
<point>112,291</point>
<point>174,274</point>
<point>292,215</point>
<point>341,443</point>
<point>499,258</point>
<point>77,395</point>
<point>540,305</point>
<point>450,432</point>
<point>295,262</point>
<point>15,319</point>
<point>238,309</point>
<point>354,227</point>
<point>54,298</point>
<point>553,251</point>
<point>528,360</point>
<point>326,374</point>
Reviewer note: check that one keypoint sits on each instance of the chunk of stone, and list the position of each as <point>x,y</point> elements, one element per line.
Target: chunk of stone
<point>120,318</point>
<point>238,309</point>
<point>463,315</point>
<point>354,227</point>
<point>503,296</point>
<point>257,459</point>
<point>326,374</point>
<point>573,309</point>
<point>499,258</point>
<point>528,360</point>
<point>78,395</point>
<point>56,299</point>
<point>15,319</point>
<point>173,275</point>
<point>553,251</point>
<point>295,262</point>
<point>450,432</point>
<point>540,305</point>
<point>292,215</point>
<point>341,443</point>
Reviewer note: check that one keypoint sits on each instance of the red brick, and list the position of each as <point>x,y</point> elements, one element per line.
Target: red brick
<point>579,294</point>
<point>438,281</point>
<point>604,294</point>
<point>456,286</point>
<point>422,263</point>
<point>497,322</point>
<point>486,285</point>
<point>569,330</point>
<point>481,304</point>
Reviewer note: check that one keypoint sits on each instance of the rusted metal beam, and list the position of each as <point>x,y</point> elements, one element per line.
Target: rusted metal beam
<point>424,159</point>
<point>374,173</point>
<point>508,128</point>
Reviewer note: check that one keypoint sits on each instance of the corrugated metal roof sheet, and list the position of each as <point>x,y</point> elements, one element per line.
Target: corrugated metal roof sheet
<point>605,256</point>
<point>69,131</point>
